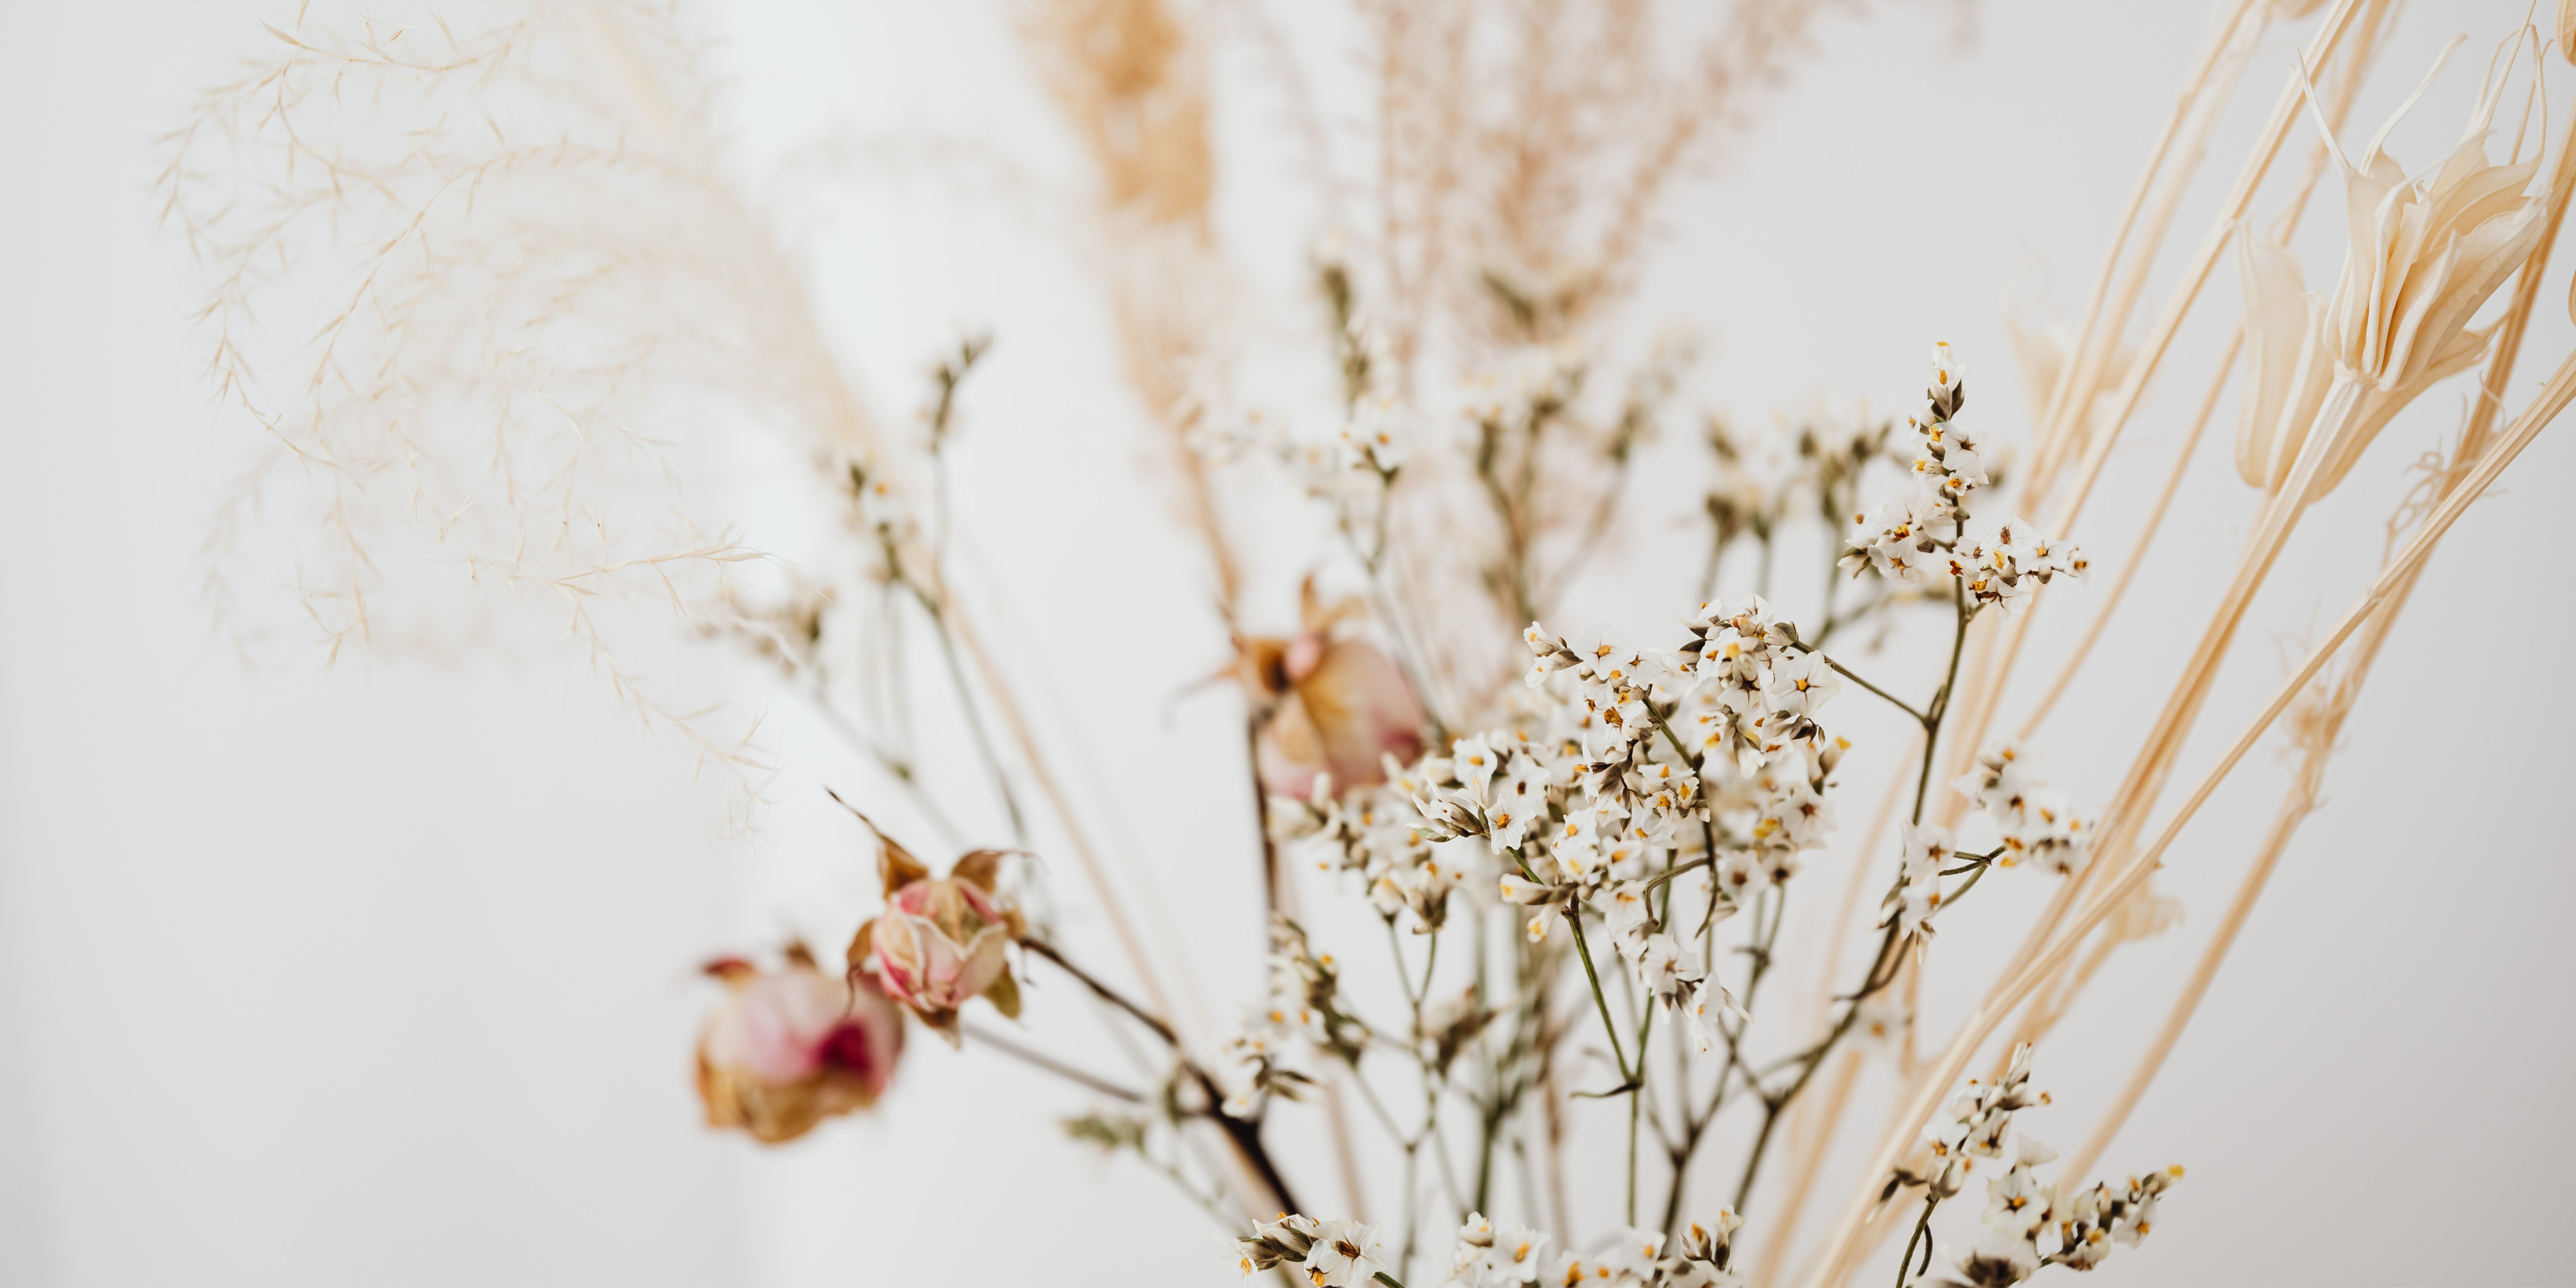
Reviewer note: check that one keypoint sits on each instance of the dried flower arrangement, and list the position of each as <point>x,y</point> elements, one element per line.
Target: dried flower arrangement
<point>1580,849</point>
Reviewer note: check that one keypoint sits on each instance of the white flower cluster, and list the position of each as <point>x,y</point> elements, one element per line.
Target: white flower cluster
<point>1488,1257</point>
<point>2022,1210</point>
<point>1918,539</point>
<point>1374,832</point>
<point>2009,568</point>
<point>1302,1013</point>
<point>2096,1218</point>
<point>1975,1124</point>
<point>1513,1255</point>
<point>2035,823</point>
<point>1763,689</point>
<point>1334,1254</point>
<point>1925,847</point>
<point>1587,809</point>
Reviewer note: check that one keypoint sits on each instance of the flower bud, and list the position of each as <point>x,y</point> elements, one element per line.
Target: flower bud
<point>941,941</point>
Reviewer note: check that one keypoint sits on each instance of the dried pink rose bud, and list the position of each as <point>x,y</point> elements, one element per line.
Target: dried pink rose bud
<point>1327,705</point>
<point>792,1047</point>
<point>941,941</point>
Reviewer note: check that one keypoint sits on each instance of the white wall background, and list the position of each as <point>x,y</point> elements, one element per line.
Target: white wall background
<point>384,976</point>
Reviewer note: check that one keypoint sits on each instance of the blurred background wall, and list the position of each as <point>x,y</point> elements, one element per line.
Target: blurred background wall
<point>384,976</point>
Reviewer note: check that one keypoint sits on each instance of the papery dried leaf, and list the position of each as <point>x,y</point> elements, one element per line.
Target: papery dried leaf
<point>896,868</point>
<point>1005,995</point>
<point>982,867</point>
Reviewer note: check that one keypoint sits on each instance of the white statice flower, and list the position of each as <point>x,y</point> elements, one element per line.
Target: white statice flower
<point>2008,568</point>
<point>1902,540</point>
<point>1473,761</point>
<point>1974,1124</point>
<point>1736,644</point>
<point>1998,1260</point>
<point>1740,877</point>
<point>1949,464</point>
<point>1380,435</point>
<point>1711,1240</point>
<point>1575,843</point>
<point>1879,1024</point>
<point>1953,462</point>
<point>2033,819</point>
<point>1519,804</point>
<point>1796,817</point>
<point>1628,907</point>
<point>1491,786</point>
<point>1801,684</point>
<point>1923,848</point>
<point>1638,1253</point>
<point>1423,889</point>
<point>1569,1268</point>
<point>1287,1239</point>
<point>1710,1004</point>
<point>1913,906</point>
<point>1519,889</point>
<point>2018,1202</point>
<point>1551,653</point>
<point>1757,689</point>
<point>1664,971</point>
<point>1345,1254</point>
<point>1490,1256</point>
<point>1949,379</point>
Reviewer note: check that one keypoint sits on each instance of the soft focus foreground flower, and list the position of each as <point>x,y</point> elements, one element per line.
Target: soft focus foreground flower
<point>940,942</point>
<point>2423,256</point>
<point>790,1048</point>
<point>1488,1257</point>
<point>1345,1253</point>
<point>1337,706</point>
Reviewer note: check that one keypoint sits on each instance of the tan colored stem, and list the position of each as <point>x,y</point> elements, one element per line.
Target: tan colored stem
<point>2361,49</point>
<point>1990,678</point>
<point>1848,1244</point>
<point>2195,85</point>
<point>2137,553</point>
<point>2301,798</point>
<point>2151,355</point>
<point>2067,427</point>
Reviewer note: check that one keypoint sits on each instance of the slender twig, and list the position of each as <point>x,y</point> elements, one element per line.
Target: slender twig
<point>1040,1060</point>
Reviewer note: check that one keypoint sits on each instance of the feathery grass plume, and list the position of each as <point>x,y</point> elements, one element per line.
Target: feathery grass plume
<point>484,284</point>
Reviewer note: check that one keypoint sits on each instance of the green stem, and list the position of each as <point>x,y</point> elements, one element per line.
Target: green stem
<point>1611,1030</point>
<point>1854,676</point>
<point>1941,699</point>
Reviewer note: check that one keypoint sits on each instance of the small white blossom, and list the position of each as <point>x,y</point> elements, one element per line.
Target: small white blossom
<point>2035,823</point>
<point>1710,1003</point>
<point>1345,1254</point>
